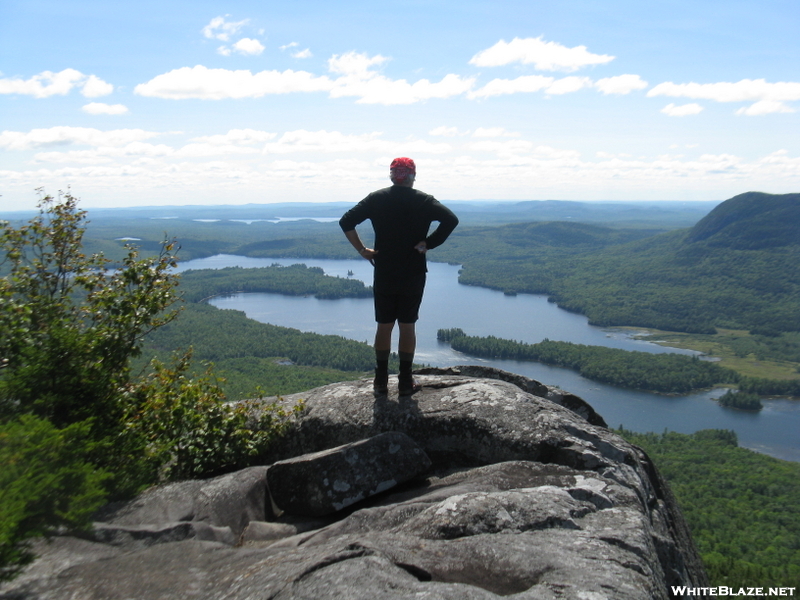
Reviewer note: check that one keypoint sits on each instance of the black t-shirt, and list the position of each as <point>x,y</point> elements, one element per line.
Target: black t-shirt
<point>401,217</point>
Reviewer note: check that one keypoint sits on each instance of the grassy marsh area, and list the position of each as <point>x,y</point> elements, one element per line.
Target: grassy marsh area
<point>736,349</point>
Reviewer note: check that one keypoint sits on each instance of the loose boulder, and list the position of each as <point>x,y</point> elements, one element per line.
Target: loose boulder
<point>325,482</point>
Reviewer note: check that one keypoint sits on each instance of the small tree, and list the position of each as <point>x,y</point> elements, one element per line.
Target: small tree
<point>68,326</point>
<point>74,424</point>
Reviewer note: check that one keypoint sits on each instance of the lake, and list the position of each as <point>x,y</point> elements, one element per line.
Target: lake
<point>526,318</point>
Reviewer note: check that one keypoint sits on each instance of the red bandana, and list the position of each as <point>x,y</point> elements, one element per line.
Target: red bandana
<point>401,168</point>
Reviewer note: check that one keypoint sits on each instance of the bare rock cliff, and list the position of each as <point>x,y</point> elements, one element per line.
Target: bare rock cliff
<point>521,491</point>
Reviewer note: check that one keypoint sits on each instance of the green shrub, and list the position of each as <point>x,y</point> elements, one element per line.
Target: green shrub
<point>68,327</point>
<point>45,483</point>
<point>75,425</point>
<point>182,427</point>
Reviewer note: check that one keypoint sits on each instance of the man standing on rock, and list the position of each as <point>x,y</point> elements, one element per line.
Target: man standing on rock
<point>401,217</point>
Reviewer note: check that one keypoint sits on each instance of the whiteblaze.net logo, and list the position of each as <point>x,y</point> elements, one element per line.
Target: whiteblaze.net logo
<point>682,591</point>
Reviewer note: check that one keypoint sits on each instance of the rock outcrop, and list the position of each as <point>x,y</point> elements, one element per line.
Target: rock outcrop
<point>527,495</point>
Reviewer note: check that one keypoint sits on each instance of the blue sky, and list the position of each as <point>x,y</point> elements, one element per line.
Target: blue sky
<point>177,102</point>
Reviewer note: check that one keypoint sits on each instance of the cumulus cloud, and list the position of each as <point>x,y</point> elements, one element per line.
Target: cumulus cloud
<point>526,83</point>
<point>334,141</point>
<point>355,64</point>
<point>682,111</point>
<point>504,166</point>
<point>47,84</point>
<point>65,136</point>
<point>99,108</point>
<point>620,84</point>
<point>217,84</point>
<point>220,29</point>
<point>382,90</point>
<point>96,87</point>
<point>106,154</point>
<point>356,78</point>
<point>532,83</point>
<point>300,53</point>
<point>567,85</point>
<point>237,136</point>
<point>249,47</point>
<point>545,56</point>
<point>741,91</point>
<point>765,107</point>
<point>768,97</point>
<point>236,141</point>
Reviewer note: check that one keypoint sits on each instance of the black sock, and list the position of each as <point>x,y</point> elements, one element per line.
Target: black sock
<point>405,367</point>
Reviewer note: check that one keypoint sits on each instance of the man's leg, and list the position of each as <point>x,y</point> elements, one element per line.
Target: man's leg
<point>406,348</point>
<point>383,348</point>
<point>408,341</point>
<point>383,337</point>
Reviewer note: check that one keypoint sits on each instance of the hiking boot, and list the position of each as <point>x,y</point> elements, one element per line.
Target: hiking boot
<point>406,386</point>
<point>380,385</point>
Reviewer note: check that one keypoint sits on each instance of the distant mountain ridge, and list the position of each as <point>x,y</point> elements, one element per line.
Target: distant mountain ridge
<point>751,221</point>
<point>737,268</point>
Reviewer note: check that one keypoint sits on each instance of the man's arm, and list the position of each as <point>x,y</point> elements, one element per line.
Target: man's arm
<point>358,214</point>
<point>447,223</point>
<point>354,239</point>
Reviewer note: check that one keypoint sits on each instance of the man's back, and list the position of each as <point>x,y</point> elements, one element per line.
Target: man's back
<point>401,217</point>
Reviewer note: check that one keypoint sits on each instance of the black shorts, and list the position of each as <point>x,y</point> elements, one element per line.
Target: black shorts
<point>399,303</point>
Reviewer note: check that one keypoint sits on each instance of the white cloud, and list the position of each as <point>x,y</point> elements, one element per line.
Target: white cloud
<point>65,136</point>
<point>47,84</point>
<point>106,154</point>
<point>249,47</point>
<point>507,170</point>
<point>620,84</point>
<point>494,132</point>
<point>526,83</point>
<point>220,29</point>
<point>96,87</point>
<point>355,64</point>
<point>99,108</point>
<point>289,45</point>
<point>381,90</point>
<point>335,141</point>
<point>197,150</point>
<point>371,88</point>
<point>682,111</point>
<point>532,83</point>
<point>224,51</point>
<point>217,84</point>
<point>765,107</point>
<point>236,141</point>
<point>567,85</point>
<point>545,56</point>
<point>356,79</point>
<point>238,136</point>
<point>752,90</point>
<point>302,54</point>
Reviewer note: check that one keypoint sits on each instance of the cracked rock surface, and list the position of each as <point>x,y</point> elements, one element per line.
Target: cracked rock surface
<point>527,496</point>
